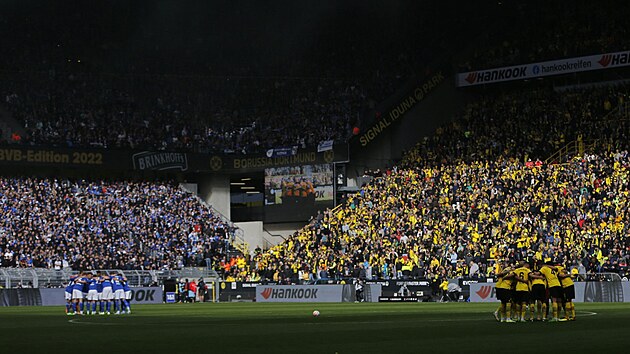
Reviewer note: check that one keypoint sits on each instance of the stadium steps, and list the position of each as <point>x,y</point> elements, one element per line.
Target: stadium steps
<point>238,241</point>
<point>567,152</point>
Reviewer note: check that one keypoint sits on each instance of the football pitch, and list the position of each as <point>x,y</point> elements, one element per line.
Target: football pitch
<point>291,328</point>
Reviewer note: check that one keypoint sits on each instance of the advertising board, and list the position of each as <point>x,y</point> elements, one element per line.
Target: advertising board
<point>542,69</point>
<point>305,293</point>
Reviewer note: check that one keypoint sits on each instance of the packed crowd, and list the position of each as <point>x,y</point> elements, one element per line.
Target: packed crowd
<point>459,201</point>
<point>526,124</point>
<point>53,223</point>
<point>585,28</point>
<point>76,83</point>
<point>176,113</point>
<point>457,220</point>
<point>466,198</point>
<point>211,103</point>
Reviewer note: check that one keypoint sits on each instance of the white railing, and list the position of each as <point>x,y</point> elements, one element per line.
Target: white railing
<point>56,278</point>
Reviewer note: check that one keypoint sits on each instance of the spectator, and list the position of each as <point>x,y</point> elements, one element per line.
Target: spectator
<point>458,204</point>
<point>473,270</point>
<point>55,223</point>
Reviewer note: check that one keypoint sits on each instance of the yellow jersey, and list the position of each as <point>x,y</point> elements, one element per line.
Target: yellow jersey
<point>551,275</point>
<point>508,283</point>
<point>503,283</point>
<point>566,282</point>
<point>523,273</point>
<point>536,281</point>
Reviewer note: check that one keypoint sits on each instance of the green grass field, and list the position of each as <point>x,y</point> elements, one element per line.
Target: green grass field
<point>290,328</point>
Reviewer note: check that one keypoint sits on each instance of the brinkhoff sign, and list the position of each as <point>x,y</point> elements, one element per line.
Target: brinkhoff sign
<point>546,68</point>
<point>149,160</point>
<point>299,293</point>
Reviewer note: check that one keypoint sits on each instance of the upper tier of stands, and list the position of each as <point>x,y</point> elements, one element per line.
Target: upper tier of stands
<point>524,123</point>
<point>158,84</point>
<point>538,31</point>
<point>174,113</point>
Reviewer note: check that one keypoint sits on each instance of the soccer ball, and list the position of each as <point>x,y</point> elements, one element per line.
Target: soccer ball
<point>316,313</point>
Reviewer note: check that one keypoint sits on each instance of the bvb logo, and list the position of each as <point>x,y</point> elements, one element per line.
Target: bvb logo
<point>329,156</point>
<point>216,163</point>
<point>223,285</point>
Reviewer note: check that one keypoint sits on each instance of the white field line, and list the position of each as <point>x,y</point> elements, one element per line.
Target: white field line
<point>76,321</point>
<point>580,313</point>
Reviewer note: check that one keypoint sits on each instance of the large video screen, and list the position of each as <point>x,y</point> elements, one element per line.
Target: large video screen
<point>298,192</point>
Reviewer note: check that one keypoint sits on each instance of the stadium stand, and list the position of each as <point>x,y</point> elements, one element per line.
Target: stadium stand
<point>246,115</point>
<point>429,216</point>
<point>54,95</point>
<point>468,195</point>
<point>56,223</point>
<point>66,92</point>
<point>526,123</point>
<point>395,226</point>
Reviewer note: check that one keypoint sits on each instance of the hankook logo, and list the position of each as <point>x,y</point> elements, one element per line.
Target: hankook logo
<point>471,78</point>
<point>484,292</point>
<point>266,293</point>
<point>605,60</point>
<point>294,293</point>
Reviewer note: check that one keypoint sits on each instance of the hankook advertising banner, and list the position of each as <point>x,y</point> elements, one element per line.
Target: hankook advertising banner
<point>545,68</point>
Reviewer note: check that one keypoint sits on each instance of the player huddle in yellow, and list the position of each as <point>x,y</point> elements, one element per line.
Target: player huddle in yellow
<point>520,288</point>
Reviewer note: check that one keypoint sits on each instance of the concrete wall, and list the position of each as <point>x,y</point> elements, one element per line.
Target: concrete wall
<point>191,187</point>
<point>215,190</point>
<point>264,236</point>
<point>438,108</point>
<point>252,233</point>
<point>351,181</point>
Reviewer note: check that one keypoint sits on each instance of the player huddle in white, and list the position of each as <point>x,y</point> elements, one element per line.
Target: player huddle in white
<point>85,291</point>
